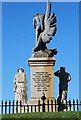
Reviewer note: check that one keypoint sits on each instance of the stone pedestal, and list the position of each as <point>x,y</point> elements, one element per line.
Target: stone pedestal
<point>42,78</point>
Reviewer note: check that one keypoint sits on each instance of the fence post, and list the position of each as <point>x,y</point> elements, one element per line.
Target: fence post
<point>55,104</point>
<point>13,106</point>
<point>48,104</point>
<point>24,108</point>
<point>2,107</point>
<point>73,104</point>
<point>43,104</point>
<point>27,108</point>
<point>16,106</point>
<point>70,104</point>
<point>5,107</point>
<point>35,108</point>
<point>66,105</point>
<point>9,106</point>
<point>39,106</point>
<point>77,105</point>
<point>52,105</point>
<point>20,106</point>
<point>31,108</point>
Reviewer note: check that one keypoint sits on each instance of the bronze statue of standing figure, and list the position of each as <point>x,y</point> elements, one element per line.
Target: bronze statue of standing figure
<point>64,78</point>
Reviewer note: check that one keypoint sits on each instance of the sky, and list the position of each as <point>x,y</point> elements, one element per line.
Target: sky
<point>18,40</point>
<point>0,52</point>
<point>40,0</point>
<point>80,51</point>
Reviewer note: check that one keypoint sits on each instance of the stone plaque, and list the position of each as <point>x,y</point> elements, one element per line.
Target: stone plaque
<point>42,81</point>
<point>42,77</point>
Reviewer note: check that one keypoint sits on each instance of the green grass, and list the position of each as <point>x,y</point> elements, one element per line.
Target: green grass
<point>45,116</point>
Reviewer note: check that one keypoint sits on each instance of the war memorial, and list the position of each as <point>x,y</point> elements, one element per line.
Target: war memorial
<point>41,63</point>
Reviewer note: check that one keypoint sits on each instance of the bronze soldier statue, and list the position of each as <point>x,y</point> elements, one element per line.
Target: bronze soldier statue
<point>64,78</point>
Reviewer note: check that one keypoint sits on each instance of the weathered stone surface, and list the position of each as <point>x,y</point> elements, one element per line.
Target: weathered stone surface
<point>45,26</point>
<point>42,77</point>
<point>39,54</point>
<point>45,53</point>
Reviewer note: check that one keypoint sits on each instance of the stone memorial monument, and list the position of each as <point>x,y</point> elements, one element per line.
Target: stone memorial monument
<point>20,87</point>
<point>42,68</point>
<point>42,61</point>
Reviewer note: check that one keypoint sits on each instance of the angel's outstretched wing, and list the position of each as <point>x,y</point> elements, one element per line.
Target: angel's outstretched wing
<point>49,24</point>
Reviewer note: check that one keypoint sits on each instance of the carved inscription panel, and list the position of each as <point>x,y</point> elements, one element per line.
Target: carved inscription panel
<point>41,81</point>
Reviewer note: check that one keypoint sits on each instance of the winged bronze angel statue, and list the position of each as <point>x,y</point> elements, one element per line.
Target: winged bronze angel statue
<point>45,26</point>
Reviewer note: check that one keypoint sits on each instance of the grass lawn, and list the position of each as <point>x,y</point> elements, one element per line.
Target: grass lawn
<point>44,116</point>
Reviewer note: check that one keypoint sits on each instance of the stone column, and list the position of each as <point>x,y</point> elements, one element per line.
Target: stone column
<point>42,78</point>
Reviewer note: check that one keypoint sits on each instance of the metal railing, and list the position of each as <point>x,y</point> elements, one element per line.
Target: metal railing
<point>10,107</point>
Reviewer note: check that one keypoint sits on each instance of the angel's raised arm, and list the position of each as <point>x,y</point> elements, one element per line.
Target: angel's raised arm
<point>48,9</point>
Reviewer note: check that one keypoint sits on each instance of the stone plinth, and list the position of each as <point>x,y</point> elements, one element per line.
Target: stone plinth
<point>42,77</point>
